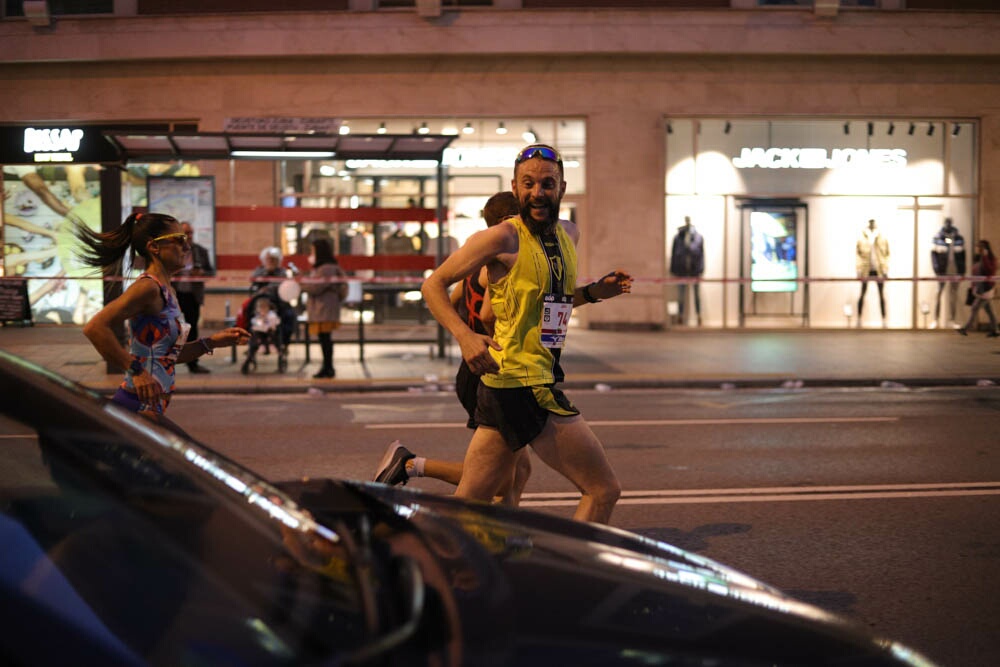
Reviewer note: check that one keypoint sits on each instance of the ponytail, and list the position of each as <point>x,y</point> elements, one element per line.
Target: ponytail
<point>106,250</point>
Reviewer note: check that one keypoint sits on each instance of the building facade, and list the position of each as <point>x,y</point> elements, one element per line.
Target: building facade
<point>642,84</point>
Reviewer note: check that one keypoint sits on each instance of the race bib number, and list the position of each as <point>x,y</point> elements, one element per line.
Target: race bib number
<point>556,309</point>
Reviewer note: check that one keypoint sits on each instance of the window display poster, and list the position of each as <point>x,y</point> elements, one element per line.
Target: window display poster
<point>773,252</point>
<point>41,207</point>
<point>190,199</point>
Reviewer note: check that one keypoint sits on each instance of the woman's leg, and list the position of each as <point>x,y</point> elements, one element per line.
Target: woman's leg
<point>976,305</point>
<point>993,318</point>
<point>326,346</point>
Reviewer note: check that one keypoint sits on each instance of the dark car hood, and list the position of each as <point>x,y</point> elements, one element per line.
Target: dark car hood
<point>580,593</point>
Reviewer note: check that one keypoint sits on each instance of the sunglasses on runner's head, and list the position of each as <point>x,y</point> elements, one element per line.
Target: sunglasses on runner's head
<point>539,150</point>
<point>180,237</point>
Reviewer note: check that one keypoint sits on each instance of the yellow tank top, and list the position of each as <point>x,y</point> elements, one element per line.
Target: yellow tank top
<point>517,301</point>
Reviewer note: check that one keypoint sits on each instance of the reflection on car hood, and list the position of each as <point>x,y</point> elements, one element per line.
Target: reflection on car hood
<point>588,594</point>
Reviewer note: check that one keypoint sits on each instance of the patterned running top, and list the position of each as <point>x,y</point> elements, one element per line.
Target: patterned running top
<point>156,340</point>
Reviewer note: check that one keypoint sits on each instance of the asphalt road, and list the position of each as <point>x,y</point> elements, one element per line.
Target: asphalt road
<point>876,504</point>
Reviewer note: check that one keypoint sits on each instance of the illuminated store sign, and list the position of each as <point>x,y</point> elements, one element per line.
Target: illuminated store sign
<point>34,144</point>
<point>819,158</point>
<point>55,145</point>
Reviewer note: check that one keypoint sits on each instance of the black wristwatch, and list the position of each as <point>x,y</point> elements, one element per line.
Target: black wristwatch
<point>136,367</point>
<point>587,296</point>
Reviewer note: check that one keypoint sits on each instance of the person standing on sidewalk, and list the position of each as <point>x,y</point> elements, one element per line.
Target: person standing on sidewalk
<point>532,267</point>
<point>984,290</point>
<point>157,330</point>
<point>191,293</point>
<point>325,296</point>
<point>398,463</point>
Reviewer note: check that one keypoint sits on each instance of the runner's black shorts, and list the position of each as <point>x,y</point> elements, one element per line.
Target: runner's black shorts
<point>467,388</point>
<point>520,414</point>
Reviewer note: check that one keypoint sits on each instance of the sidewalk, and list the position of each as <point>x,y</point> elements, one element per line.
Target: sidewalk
<point>704,358</point>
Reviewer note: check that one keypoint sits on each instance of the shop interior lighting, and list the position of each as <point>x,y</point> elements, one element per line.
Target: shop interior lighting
<point>892,128</point>
<point>912,128</point>
<point>728,128</point>
<point>468,129</point>
<point>345,129</point>
<point>847,127</point>
<point>424,129</point>
<point>670,128</point>
<point>956,129</point>
<point>501,129</point>
<point>284,155</point>
<point>930,129</point>
<point>381,128</point>
<point>529,136</point>
<point>871,128</point>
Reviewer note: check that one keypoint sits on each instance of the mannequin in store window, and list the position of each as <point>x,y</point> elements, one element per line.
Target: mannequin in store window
<point>948,259</point>
<point>687,260</point>
<point>872,261</point>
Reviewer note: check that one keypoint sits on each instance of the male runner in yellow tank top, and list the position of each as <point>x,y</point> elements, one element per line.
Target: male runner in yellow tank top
<point>532,266</point>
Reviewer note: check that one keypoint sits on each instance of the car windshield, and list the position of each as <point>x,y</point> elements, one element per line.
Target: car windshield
<point>161,554</point>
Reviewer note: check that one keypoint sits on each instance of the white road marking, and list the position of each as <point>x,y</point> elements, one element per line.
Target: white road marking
<point>668,422</point>
<point>776,494</point>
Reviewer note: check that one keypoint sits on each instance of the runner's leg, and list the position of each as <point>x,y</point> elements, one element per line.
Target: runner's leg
<point>488,463</point>
<point>446,471</point>
<point>568,446</point>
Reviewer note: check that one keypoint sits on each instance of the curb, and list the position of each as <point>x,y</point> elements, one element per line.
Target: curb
<point>417,385</point>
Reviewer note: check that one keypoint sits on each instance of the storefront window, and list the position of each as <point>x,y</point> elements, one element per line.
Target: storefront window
<point>41,206</point>
<point>755,189</point>
<point>478,163</point>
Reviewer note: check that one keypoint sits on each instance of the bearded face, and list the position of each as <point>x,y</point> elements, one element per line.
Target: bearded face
<point>539,215</point>
<point>539,188</point>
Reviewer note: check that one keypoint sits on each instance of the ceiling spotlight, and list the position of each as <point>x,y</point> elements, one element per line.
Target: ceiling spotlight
<point>956,128</point>
<point>728,128</point>
<point>670,128</point>
<point>930,129</point>
<point>381,128</point>
<point>912,128</point>
<point>892,128</point>
<point>847,127</point>
<point>501,129</point>
<point>468,129</point>
<point>871,128</point>
<point>529,136</point>
<point>423,129</point>
<point>344,129</point>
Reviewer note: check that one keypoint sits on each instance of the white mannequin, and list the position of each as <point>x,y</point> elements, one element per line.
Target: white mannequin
<point>872,260</point>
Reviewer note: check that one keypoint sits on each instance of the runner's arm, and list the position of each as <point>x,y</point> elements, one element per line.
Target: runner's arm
<point>482,248</point>
<point>608,286</point>
<point>142,297</point>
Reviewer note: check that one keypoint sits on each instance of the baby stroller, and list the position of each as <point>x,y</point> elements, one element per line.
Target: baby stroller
<point>271,322</point>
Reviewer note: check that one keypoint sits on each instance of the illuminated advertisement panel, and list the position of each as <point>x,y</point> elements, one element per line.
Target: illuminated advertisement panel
<point>42,206</point>
<point>773,251</point>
